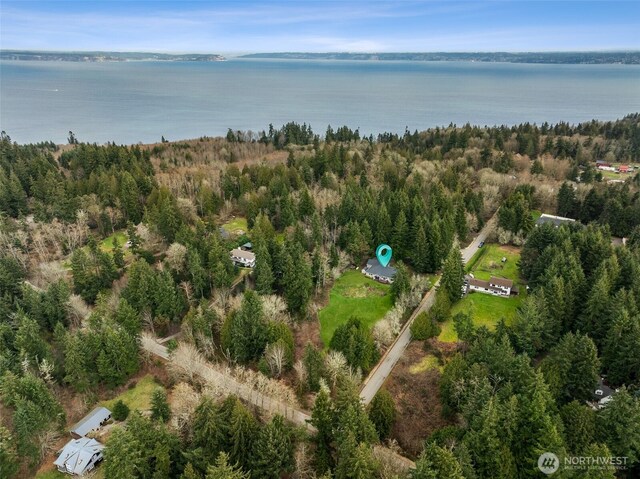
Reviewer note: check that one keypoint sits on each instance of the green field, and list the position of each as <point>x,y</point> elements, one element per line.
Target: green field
<point>485,309</point>
<point>138,397</point>
<point>490,263</point>
<point>236,226</point>
<point>353,294</point>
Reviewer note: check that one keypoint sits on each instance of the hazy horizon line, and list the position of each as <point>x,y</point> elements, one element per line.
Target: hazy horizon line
<point>355,52</point>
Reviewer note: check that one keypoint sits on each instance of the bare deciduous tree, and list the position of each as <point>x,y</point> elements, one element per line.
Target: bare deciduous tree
<point>276,358</point>
<point>184,400</point>
<point>176,257</point>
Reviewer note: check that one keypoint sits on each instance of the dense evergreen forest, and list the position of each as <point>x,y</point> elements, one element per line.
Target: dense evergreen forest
<point>105,246</point>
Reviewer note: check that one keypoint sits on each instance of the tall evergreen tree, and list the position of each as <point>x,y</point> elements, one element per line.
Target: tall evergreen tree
<point>436,462</point>
<point>382,412</point>
<point>160,409</point>
<point>208,434</point>
<point>247,329</point>
<point>222,469</point>
<point>619,426</point>
<point>272,452</point>
<point>621,355</point>
<point>567,201</point>
<point>262,271</point>
<point>297,280</point>
<point>322,417</point>
<point>572,368</point>
<point>453,274</point>
<point>123,457</point>
<point>243,432</point>
<point>401,282</point>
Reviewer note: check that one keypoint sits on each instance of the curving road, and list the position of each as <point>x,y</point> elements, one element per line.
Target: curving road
<point>382,370</point>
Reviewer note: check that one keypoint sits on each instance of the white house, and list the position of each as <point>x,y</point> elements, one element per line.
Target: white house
<point>79,456</point>
<point>495,286</point>
<point>601,395</point>
<point>243,258</point>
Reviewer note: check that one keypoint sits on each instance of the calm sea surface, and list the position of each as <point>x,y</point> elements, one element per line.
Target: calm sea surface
<point>141,101</point>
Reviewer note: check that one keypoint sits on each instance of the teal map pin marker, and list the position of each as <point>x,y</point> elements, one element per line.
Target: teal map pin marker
<point>383,253</point>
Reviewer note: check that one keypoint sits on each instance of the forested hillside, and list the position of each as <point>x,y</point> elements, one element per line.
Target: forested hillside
<point>103,247</point>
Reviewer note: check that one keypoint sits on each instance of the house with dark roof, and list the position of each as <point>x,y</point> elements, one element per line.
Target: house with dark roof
<point>602,394</point>
<point>495,286</point>
<point>374,270</point>
<point>92,422</point>
<point>553,220</point>
<point>79,456</point>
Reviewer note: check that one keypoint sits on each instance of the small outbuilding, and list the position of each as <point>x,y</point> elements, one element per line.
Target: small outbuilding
<point>92,422</point>
<point>79,456</point>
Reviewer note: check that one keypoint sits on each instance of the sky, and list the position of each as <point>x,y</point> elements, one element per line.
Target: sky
<point>319,26</point>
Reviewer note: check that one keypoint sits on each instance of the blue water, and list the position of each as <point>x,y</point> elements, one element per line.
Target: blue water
<point>142,101</point>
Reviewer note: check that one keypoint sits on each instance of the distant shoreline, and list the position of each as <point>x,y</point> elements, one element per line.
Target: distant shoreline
<point>101,57</point>
<point>557,58</point>
<point>553,58</point>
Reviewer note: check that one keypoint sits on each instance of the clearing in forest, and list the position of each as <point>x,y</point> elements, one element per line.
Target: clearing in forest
<point>353,294</point>
<point>485,309</point>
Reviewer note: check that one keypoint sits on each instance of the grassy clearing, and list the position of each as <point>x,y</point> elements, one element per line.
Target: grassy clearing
<point>106,244</point>
<point>490,263</point>
<point>485,309</point>
<point>236,226</point>
<point>425,364</point>
<point>353,294</point>
<point>138,397</point>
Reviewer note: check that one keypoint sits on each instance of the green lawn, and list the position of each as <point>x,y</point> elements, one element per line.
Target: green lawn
<point>490,263</point>
<point>138,397</point>
<point>106,244</point>
<point>353,294</point>
<point>485,309</point>
<point>236,225</point>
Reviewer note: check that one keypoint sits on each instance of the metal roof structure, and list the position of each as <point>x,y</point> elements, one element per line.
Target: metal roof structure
<point>91,421</point>
<point>554,220</point>
<point>78,455</point>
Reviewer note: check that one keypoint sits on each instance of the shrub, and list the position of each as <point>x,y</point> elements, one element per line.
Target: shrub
<point>120,411</point>
<point>382,412</point>
<point>424,327</point>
